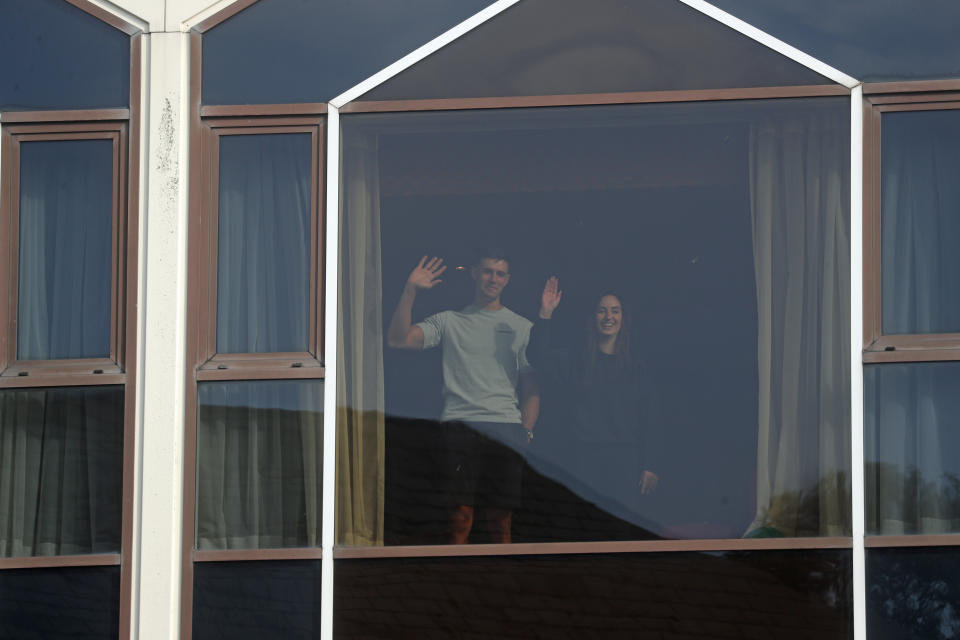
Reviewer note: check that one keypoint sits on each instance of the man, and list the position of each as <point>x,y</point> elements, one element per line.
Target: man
<point>490,399</point>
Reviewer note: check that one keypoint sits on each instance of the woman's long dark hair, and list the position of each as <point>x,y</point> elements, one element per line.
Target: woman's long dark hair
<point>621,348</point>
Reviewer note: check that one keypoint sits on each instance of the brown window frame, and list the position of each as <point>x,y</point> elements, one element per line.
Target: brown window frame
<point>13,137</point>
<point>880,99</point>
<point>211,365</point>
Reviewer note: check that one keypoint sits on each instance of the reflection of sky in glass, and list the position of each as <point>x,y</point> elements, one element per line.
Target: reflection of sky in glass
<point>57,56</point>
<point>871,40</point>
<point>286,395</point>
<point>280,51</point>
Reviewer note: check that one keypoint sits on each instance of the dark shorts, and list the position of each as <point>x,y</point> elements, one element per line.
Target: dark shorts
<point>484,466</point>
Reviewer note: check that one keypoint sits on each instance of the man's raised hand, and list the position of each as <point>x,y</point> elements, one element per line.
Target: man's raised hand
<point>550,299</point>
<point>426,275</point>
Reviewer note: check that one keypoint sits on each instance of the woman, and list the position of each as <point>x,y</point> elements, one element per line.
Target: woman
<point>597,404</point>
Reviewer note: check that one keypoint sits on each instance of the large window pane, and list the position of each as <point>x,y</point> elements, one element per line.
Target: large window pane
<point>752,594</point>
<point>75,603</point>
<point>263,253</point>
<point>920,222</point>
<point>259,459</point>
<point>547,47</point>
<point>296,40</point>
<point>61,461</point>
<point>913,475</point>
<point>241,600</point>
<point>723,230</point>
<point>60,57</point>
<point>913,594</point>
<point>66,217</point>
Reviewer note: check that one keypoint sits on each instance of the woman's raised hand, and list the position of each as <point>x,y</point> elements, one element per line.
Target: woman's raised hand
<point>550,299</point>
<point>426,275</point>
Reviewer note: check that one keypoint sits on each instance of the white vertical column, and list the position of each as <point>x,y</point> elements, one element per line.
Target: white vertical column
<point>161,340</point>
<point>857,493</point>
<point>331,295</point>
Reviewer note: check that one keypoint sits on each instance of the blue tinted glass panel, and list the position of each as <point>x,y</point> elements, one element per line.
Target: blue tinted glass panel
<point>259,464</point>
<point>75,603</point>
<point>540,47</point>
<point>920,222</point>
<point>913,475</point>
<point>913,594</point>
<point>751,594</point>
<point>66,218</point>
<point>279,51</point>
<point>263,253</point>
<point>254,600</point>
<point>61,461</point>
<point>59,57</point>
<point>871,40</point>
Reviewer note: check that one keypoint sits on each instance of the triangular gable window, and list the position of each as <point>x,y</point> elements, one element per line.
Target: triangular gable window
<point>551,47</point>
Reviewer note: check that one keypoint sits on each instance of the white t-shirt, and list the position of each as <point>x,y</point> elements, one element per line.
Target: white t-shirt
<point>483,354</point>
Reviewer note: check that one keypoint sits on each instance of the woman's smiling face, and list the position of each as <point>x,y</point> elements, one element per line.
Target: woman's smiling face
<point>609,316</point>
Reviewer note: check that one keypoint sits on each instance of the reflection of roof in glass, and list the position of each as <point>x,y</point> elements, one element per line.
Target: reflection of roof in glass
<point>57,56</point>
<point>549,47</point>
<point>280,51</point>
<point>871,40</point>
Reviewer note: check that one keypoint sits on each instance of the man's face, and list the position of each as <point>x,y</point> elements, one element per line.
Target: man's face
<point>491,276</point>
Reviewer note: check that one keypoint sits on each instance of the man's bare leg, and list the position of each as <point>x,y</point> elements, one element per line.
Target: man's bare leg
<point>461,521</point>
<point>499,523</point>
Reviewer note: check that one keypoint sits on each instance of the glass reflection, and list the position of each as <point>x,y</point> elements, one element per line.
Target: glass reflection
<point>76,603</point>
<point>61,57</point>
<point>66,220</point>
<point>548,47</point>
<point>61,461</point>
<point>263,253</point>
<point>796,594</point>
<point>255,600</point>
<point>912,474</point>
<point>913,593</point>
<point>920,226</point>
<point>259,464</point>
<point>724,416</point>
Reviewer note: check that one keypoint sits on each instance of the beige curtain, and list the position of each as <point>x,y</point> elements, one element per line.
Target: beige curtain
<point>360,404</point>
<point>799,199</point>
<point>259,457</point>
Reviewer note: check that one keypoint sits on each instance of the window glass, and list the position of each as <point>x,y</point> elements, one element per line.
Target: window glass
<point>722,230</point>
<point>263,253</point>
<point>544,47</point>
<point>919,222</point>
<point>61,460</point>
<point>872,40</point>
<point>749,594</point>
<point>257,600</point>
<point>79,603</point>
<point>300,46</point>
<point>259,459</point>
<point>913,476</point>
<point>67,192</point>
<point>913,593</point>
<point>60,57</point>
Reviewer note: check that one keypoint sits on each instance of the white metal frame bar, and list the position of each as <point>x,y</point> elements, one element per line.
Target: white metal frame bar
<point>332,300</point>
<point>857,493</point>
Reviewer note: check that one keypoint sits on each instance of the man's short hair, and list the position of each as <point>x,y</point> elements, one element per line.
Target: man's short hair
<point>492,253</point>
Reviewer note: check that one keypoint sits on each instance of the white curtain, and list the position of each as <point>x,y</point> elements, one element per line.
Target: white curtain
<point>360,401</point>
<point>66,200</point>
<point>799,200</point>
<point>259,457</point>
<point>263,252</point>
<point>61,460</point>
<point>912,481</point>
